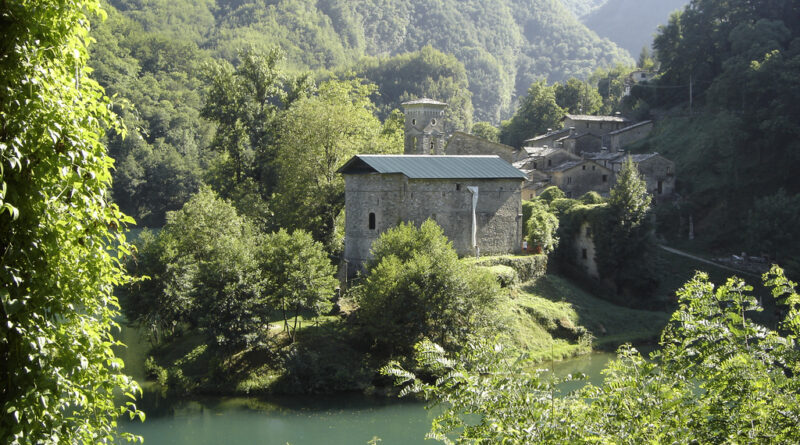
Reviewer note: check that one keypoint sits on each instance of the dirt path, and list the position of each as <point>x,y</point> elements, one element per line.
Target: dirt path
<point>703,260</point>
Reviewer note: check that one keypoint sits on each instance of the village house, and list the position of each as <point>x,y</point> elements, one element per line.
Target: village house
<point>548,139</point>
<point>599,125</point>
<point>461,143</point>
<point>636,77</point>
<point>575,178</point>
<point>580,159</point>
<point>657,171</point>
<point>475,199</point>
<point>577,143</point>
<point>629,135</point>
<point>540,158</point>
<point>584,254</point>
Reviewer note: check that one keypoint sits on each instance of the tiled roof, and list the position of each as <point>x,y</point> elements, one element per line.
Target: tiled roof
<point>565,166</point>
<point>603,155</point>
<point>539,151</point>
<point>630,127</point>
<point>433,167</point>
<point>547,135</point>
<point>586,117</point>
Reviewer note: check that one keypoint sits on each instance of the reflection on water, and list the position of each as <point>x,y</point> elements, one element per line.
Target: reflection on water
<point>342,419</point>
<point>339,419</point>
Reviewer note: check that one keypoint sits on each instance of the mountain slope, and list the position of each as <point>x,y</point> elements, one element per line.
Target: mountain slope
<point>504,44</point>
<point>631,24</point>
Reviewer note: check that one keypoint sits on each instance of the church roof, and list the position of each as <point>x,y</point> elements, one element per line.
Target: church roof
<point>424,101</point>
<point>433,167</point>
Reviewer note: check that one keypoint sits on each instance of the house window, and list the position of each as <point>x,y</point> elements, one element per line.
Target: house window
<point>569,179</point>
<point>584,167</point>
<point>601,125</point>
<point>660,187</point>
<point>371,221</point>
<point>593,167</point>
<point>668,170</point>
<point>413,122</point>
<point>605,178</point>
<point>534,166</point>
<point>432,147</point>
<point>583,254</point>
<point>549,162</point>
<point>458,187</point>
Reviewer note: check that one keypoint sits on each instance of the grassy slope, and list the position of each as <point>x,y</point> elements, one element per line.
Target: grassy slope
<point>551,316</point>
<point>548,317</point>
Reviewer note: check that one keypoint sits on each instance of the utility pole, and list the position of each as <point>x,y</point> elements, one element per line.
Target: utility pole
<point>691,86</point>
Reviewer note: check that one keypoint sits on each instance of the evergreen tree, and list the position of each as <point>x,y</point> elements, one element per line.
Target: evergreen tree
<point>625,242</point>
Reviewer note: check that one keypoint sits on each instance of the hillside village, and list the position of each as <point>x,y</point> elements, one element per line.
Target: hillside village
<point>473,187</point>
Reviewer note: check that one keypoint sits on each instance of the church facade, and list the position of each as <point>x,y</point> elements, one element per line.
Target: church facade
<point>475,199</point>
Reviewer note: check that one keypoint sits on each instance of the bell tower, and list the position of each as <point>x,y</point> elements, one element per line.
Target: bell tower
<point>424,129</point>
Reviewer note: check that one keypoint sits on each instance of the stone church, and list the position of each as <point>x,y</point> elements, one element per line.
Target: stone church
<point>475,199</point>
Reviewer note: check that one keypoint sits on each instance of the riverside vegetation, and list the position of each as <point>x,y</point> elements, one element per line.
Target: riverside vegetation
<point>239,147</point>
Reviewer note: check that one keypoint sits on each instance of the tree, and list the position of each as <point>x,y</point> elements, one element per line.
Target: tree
<point>244,103</point>
<point>487,131</point>
<point>542,227</point>
<point>61,237</point>
<point>578,97</point>
<point>298,275</point>
<point>537,112</point>
<point>625,239</point>
<point>629,200</point>
<point>417,287</point>
<point>316,136</point>
<point>204,273</point>
<point>772,226</point>
<point>719,377</point>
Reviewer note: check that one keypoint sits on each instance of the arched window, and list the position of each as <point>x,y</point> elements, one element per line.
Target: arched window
<point>433,147</point>
<point>371,221</point>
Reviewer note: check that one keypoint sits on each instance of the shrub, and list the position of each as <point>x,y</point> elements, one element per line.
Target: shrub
<point>551,193</point>
<point>416,287</point>
<point>506,276</point>
<point>542,228</point>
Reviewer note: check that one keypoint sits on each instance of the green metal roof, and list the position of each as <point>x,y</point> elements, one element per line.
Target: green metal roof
<point>433,167</point>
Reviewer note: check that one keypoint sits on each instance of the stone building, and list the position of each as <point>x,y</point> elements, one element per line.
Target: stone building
<point>628,135</point>
<point>598,125</point>
<point>575,178</point>
<point>585,250</point>
<point>540,158</point>
<point>578,143</point>
<point>475,199</point>
<point>548,139</point>
<point>657,171</point>
<point>461,143</point>
<point>425,132</point>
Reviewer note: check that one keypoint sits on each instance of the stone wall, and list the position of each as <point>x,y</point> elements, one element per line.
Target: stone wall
<point>395,198</point>
<point>365,194</point>
<point>639,132</point>
<point>658,169</point>
<point>584,251</point>
<point>467,144</point>
<point>583,178</point>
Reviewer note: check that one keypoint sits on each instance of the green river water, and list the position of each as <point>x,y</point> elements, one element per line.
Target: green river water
<point>298,420</point>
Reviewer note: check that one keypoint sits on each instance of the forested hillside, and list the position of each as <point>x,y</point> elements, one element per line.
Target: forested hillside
<point>631,24</point>
<point>173,64</point>
<point>735,143</point>
<point>504,45</point>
